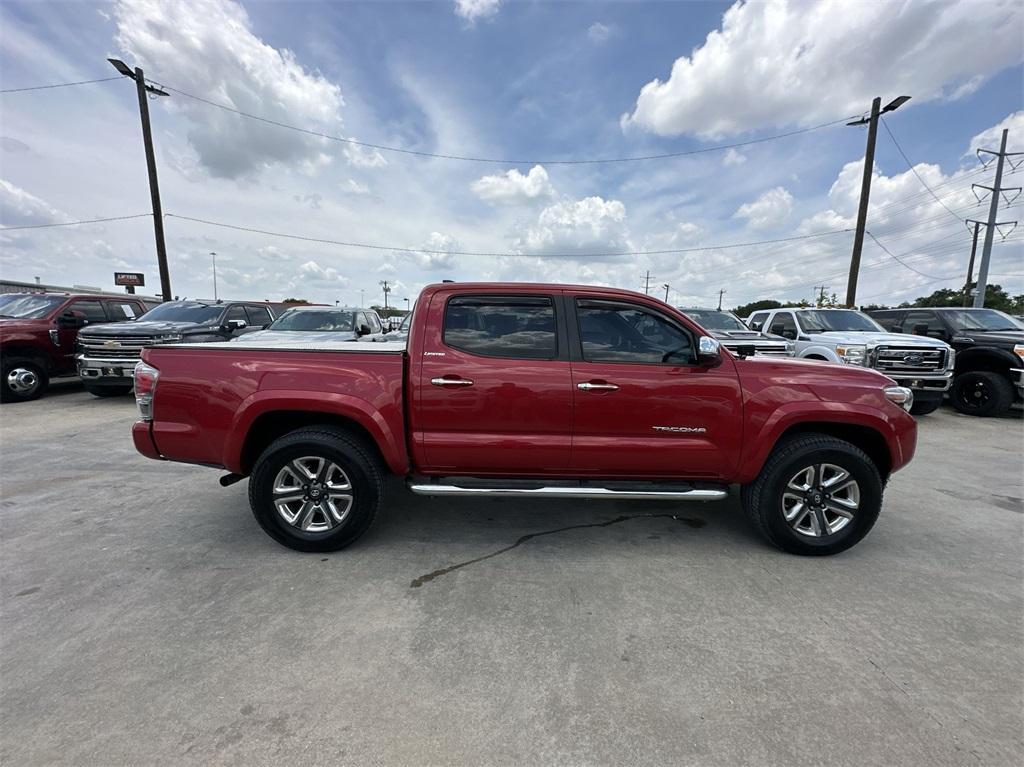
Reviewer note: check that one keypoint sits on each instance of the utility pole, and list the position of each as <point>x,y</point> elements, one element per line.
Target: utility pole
<point>386,291</point>
<point>820,290</point>
<point>990,227</point>
<point>647,283</point>
<point>865,188</point>
<point>720,294</point>
<point>154,186</point>
<point>666,292</point>
<point>214,255</point>
<point>970,265</point>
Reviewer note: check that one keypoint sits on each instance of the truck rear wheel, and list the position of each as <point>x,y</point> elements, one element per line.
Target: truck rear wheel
<point>22,379</point>
<point>316,489</point>
<point>816,495</point>
<point>981,392</point>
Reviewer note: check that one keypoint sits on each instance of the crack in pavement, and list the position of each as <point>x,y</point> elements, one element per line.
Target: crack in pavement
<point>690,521</point>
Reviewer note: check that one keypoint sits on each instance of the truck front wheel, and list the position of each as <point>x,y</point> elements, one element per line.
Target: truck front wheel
<point>816,495</point>
<point>316,489</point>
<point>981,392</point>
<point>21,380</point>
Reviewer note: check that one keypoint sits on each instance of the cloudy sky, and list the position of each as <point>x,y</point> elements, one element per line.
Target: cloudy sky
<point>526,89</point>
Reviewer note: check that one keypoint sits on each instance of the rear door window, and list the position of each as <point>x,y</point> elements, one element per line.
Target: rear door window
<point>119,311</point>
<point>517,327</point>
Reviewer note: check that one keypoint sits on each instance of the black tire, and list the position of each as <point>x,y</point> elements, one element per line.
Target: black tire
<point>924,407</point>
<point>359,466</point>
<point>108,391</point>
<point>763,498</point>
<point>36,373</point>
<point>981,393</point>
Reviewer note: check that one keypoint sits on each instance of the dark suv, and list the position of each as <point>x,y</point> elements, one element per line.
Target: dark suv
<point>38,332</point>
<point>989,371</point>
<point>108,353</point>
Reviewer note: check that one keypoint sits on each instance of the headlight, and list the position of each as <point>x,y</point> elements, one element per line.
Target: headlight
<point>169,338</point>
<point>856,354</point>
<point>900,395</point>
<point>951,357</point>
<point>1019,351</point>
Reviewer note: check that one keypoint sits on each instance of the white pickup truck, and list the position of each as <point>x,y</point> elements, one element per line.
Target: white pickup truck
<point>851,337</point>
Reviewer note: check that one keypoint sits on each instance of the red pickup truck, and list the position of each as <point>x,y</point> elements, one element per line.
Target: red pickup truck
<point>535,391</point>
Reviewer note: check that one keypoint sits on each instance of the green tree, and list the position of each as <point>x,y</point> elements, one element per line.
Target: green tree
<point>756,306</point>
<point>995,298</point>
<point>295,301</point>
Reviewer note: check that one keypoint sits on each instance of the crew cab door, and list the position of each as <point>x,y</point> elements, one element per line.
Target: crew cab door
<point>642,403</point>
<point>493,390</point>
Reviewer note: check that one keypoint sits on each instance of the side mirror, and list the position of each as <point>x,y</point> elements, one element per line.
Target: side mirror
<point>364,330</point>
<point>232,325</point>
<point>709,351</point>
<point>72,319</point>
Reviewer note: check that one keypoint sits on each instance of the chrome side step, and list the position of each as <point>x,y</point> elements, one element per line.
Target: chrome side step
<point>691,494</point>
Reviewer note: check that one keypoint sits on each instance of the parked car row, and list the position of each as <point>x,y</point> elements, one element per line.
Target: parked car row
<point>100,337</point>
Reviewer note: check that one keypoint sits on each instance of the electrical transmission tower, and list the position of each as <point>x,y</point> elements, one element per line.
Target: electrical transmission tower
<point>991,225</point>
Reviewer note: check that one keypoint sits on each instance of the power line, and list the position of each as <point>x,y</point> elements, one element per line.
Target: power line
<point>914,170</point>
<point>373,246</point>
<point>923,274</point>
<point>75,223</point>
<point>58,85</point>
<point>502,161</point>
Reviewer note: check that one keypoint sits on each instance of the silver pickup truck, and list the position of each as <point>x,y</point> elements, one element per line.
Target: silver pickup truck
<point>922,364</point>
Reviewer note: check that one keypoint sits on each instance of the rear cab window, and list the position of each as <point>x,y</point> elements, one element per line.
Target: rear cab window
<point>510,327</point>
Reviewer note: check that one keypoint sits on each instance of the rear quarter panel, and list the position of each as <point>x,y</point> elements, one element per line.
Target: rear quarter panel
<point>207,399</point>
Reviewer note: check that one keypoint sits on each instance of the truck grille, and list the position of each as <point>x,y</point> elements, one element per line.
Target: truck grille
<point>904,359</point>
<point>113,347</point>
<point>762,349</point>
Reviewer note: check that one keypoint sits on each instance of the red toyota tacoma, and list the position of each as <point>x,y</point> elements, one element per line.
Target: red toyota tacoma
<point>550,391</point>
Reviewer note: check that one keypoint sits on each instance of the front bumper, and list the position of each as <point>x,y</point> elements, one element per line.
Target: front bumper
<point>937,383</point>
<point>113,370</point>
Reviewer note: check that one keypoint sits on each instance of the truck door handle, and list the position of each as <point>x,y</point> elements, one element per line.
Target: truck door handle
<point>451,382</point>
<point>591,386</point>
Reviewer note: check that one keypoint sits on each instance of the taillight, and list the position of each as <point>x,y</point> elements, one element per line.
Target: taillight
<point>145,387</point>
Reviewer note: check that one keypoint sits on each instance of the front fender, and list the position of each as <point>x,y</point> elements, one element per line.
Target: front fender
<point>986,358</point>
<point>820,350</point>
<point>897,428</point>
<point>386,429</point>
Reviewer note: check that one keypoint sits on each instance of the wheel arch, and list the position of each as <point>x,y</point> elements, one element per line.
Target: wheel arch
<point>29,351</point>
<point>870,440</point>
<point>985,359</point>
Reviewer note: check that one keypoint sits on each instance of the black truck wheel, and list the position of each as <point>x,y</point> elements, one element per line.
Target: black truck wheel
<point>22,379</point>
<point>316,489</point>
<point>981,392</point>
<point>118,390</point>
<point>816,495</point>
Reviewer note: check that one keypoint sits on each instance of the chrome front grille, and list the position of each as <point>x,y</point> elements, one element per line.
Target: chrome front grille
<point>909,359</point>
<point>762,349</point>
<point>113,347</point>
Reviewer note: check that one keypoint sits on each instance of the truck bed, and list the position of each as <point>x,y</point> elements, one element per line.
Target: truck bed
<point>212,395</point>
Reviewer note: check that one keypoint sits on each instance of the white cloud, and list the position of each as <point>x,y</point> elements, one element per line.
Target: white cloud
<point>364,157</point>
<point>474,10</point>
<point>732,158</point>
<point>780,63</point>
<point>687,235</point>
<point>207,47</point>
<point>590,225</point>
<point>513,188</point>
<point>770,209</point>
<point>21,208</point>
<point>599,33</point>
<point>991,138</point>
<point>435,261</point>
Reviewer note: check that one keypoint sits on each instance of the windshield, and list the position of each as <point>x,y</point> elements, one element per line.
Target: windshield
<point>824,320</point>
<point>179,312</point>
<point>317,322</point>
<point>980,319</point>
<point>29,306</point>
<point>715,320</point>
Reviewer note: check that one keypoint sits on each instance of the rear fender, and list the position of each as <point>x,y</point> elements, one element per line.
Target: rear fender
<point>390,442</point>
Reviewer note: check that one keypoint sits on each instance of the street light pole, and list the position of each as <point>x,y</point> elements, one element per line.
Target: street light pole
<point>865,188</point>
<point>154,186</point>
<point>214,275</point>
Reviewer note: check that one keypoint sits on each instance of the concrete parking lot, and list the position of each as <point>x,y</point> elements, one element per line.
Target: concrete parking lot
<point>146,619</point>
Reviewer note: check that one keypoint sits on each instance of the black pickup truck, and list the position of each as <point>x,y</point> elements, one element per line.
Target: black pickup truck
<point>989,372</point>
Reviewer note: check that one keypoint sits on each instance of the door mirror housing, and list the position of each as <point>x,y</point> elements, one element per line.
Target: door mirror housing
<point>232,325</point>
<point>364,330</point>
<point>709,351</point>
<point>72,319</point>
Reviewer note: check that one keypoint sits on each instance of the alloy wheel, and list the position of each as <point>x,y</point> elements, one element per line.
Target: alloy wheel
<point>312,494</point>
<point>820,500</point>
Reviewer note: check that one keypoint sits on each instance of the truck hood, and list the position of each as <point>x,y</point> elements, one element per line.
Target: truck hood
<point>878,339</point>
<point>142,328</point>
<point>801,367</point>
<point>290,337</point>
<point>996,337</point>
